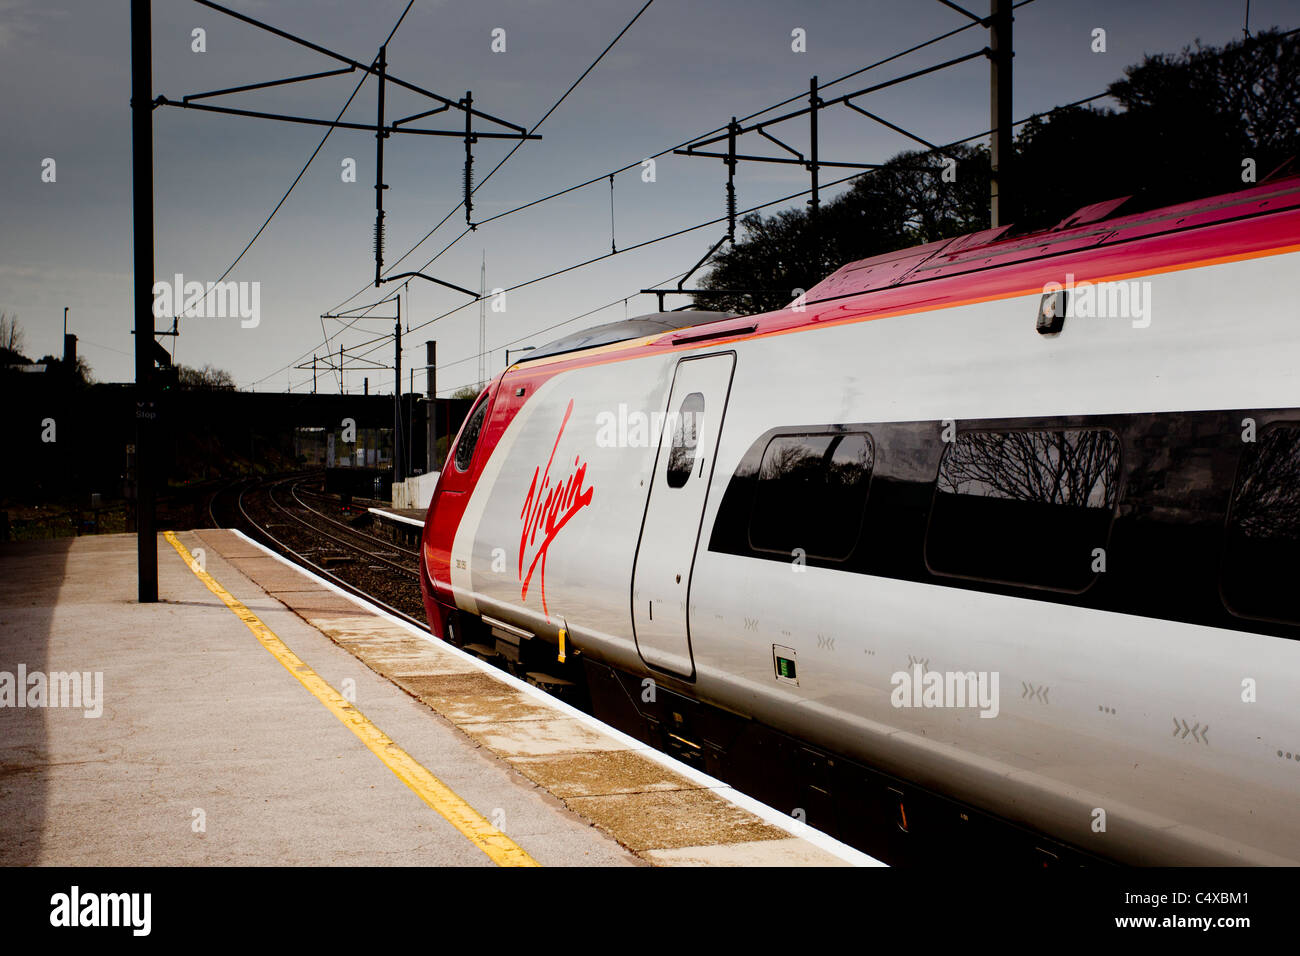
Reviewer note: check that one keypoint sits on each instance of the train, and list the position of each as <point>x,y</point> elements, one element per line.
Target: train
<point>989,545</point>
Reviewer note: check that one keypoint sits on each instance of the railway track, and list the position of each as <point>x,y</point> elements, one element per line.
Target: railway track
<point>360,563</point>
<point>297,491</point>
<point>343,535</point>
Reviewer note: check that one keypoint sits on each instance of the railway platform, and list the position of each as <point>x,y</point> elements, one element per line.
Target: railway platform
<point>259,715</point>
<point>409,516</point>
<point>403,526</point>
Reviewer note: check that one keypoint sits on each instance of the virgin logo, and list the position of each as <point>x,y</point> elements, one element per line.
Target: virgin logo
<point>548,508</point>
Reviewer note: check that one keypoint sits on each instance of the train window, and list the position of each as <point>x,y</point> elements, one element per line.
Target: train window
<point>1262,550</point>
<point>469,436</point>
<point>811,493</point>
<point>686,436</point>
<point>1025,507</point>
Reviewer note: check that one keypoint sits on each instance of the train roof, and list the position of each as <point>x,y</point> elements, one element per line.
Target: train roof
<point>1092,227</point>
<point>1094,243</point>
<point>652,323</point>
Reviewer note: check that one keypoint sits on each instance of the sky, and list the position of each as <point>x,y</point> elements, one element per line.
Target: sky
<point>683,69</point>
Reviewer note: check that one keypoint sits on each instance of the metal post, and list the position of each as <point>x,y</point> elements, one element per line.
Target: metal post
<point>482,321</point>
<point>399,473</point>
<point>469,160</point>
<point>431,423</point>
<point>1001,156</point>
<point>69,358</point>
<point>142,227</point>
<point>342,391</point>
<point>814,102</point>
<point>313,374</point>
<point>379,174</point>
<point>731,180</point>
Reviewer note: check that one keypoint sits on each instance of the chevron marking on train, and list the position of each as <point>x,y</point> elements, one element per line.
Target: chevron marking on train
<point>1199,734</point>
<point>1032,692</point>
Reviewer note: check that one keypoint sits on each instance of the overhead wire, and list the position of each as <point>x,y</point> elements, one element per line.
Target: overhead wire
<point>480,183</point>
<point>302,172</point>
<point>1079,102</point>
<point>622,169</point>
<point>536,126</point>
<point>688,229</point>
<point>671,235</point>
<point>676,233</point>
<point>608,175</point>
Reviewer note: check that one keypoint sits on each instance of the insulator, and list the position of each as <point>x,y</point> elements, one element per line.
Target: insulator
<point>469,186</point>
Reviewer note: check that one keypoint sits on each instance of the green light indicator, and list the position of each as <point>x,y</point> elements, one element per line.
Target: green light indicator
<point>785,668</point>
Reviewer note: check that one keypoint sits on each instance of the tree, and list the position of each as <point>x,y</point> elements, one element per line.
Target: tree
<point>907,201</point>
<point>11,334</point>
<point>1267,503</point>
<point>1187,123</point>
<point>54,366</point>
<point>1236,102</point>
<point>470,392</point>
<point>204,378</point>
<point>1072,158</point>
<point>1078,468</point>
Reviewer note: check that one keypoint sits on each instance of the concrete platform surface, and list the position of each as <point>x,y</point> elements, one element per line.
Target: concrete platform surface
<point>411,516</point>
<point>193,744</point>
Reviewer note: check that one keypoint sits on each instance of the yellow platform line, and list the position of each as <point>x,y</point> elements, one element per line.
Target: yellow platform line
<point>473,826</point>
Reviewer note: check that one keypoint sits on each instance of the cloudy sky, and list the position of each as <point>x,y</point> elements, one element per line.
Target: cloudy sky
<point>683,69</point>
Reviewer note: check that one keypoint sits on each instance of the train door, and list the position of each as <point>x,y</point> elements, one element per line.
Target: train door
<point>665,554</point>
